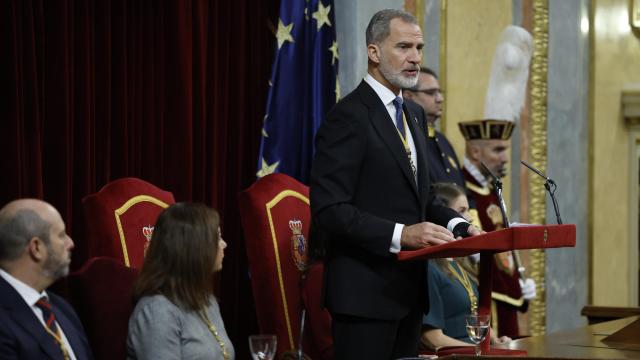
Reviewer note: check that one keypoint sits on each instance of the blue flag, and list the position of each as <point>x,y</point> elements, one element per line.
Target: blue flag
<point>302,89</point>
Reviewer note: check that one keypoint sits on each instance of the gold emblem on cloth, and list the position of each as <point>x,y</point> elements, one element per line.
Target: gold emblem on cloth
<point>147,231</point>
<point>504,262</point>
<point>495,215</point>
<point>299,248</point>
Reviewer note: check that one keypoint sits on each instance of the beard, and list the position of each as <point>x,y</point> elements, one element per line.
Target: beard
<point>396,78</point>
<point>57,265</point>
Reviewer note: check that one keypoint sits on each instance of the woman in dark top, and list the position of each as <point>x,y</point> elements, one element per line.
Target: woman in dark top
<point>453,289</point>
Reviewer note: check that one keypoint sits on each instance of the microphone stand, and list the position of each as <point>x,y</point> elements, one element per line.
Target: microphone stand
<point>551,187</point>
<point>299,355</point>
<point>497,184</point>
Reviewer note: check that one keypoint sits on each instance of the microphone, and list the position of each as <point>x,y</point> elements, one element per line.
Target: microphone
<point>497,184</point>
<point>551,187</point>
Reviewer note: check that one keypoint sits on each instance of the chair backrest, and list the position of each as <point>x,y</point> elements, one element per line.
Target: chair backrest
<point>101,294</point>
<point>119,219</point>
<point>276,217</point>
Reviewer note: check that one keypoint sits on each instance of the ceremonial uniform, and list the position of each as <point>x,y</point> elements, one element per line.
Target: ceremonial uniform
<point>504,101</point>
<point>443,162</point>
<point>506,291</point>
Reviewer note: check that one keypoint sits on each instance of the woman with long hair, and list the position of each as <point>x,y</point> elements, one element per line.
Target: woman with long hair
<point>453,288</point>
<point>177,315</point>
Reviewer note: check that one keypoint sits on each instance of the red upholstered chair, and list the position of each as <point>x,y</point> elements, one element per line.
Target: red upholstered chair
<point>100,292</point>
<point>276,217</point>
<point>119,219</point>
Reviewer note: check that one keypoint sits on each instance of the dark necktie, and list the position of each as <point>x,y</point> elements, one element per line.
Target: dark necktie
<point>397,102</point>
<point>50,324</point>
<point>48,316</point>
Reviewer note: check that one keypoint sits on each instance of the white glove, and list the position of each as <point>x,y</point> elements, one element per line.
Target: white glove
<point>528,287</point>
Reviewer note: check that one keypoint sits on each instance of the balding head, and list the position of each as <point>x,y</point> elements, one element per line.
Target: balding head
<point>492,152</point>
<point>33,240</point>
<point>20,221</point>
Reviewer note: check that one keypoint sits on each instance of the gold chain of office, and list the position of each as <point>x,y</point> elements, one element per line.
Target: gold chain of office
<point>463,278</point>
<point>216,335</point>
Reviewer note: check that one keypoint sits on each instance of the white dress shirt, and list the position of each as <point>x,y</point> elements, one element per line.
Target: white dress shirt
<point>387,96</point>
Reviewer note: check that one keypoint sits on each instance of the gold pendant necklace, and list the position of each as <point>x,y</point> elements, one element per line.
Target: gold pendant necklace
<point>216,335</point>
<point>463,278</point>
<point>407,148</point>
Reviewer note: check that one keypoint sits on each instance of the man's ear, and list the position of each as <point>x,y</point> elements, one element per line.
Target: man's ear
<point>37,249</point>
<point>373,51</point>
<point>474,150</point>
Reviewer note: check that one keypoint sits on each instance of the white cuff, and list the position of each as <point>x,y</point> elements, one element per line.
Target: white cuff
<point>395,240</point>
<point>455,221</point>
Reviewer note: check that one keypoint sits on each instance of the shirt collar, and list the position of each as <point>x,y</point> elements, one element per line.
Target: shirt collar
<point>28,294</point>
<point>387,96</point>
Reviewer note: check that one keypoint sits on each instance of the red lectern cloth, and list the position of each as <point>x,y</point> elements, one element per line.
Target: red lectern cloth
<point>470,350</point>
<point>524,237</point>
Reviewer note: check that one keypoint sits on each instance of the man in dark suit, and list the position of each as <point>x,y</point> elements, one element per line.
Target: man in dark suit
<point>444,165</point>
<point>35,251</point>
<point>369,199</point>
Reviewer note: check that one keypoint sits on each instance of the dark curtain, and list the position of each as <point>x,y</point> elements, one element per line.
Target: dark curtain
<point>169,91</point>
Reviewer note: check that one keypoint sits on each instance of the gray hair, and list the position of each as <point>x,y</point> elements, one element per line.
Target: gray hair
<point>17,229</point>
<point>378,28</point>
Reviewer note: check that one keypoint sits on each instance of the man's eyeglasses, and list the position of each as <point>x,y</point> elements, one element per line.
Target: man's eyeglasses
<point>430,92</point>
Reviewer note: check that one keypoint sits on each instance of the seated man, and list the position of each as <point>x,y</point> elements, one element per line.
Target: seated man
<point>35,251</point>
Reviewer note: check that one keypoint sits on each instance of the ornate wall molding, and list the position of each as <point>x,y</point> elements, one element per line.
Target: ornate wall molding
<point>443,61</point>
<point>538,156</point>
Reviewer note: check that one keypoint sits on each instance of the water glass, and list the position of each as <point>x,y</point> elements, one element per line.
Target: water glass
<point>477,329</point>
<point>262,347</point>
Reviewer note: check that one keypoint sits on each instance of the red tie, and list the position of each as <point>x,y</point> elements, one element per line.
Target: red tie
<point>49,319</point>
<point>50,324</point>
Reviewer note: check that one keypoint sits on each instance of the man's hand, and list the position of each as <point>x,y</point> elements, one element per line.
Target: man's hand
<point>424,234</point>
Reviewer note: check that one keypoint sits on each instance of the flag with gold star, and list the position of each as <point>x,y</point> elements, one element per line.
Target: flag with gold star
<point>302,89</point>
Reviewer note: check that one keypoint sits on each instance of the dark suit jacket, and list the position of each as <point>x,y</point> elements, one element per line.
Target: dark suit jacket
<point>443,165</point>
<point>361,185</point>
<point>22,336</point>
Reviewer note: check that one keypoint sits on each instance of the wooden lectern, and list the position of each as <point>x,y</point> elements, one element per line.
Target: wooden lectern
<point>515,238</point>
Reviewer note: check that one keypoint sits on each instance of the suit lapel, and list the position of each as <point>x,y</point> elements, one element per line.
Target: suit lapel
<point>387,132</point>
<point>419,140</point>
<point>24,317</point>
